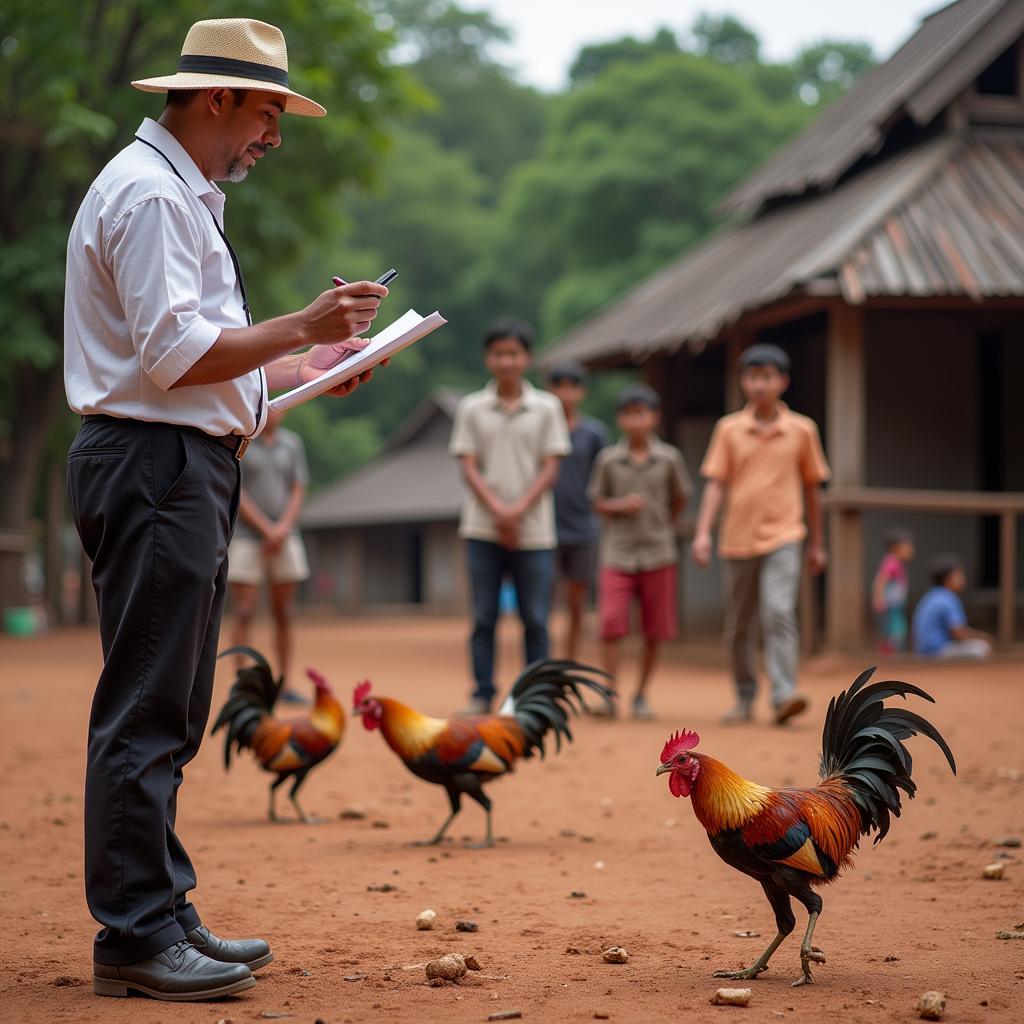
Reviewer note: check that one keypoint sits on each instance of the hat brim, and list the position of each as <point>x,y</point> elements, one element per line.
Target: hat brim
<point>294,102</point>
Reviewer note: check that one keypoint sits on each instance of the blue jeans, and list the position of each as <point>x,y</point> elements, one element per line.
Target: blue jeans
<point>532,574</point>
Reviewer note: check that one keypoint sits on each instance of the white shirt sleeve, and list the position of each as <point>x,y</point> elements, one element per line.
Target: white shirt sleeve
<point>154,254</point>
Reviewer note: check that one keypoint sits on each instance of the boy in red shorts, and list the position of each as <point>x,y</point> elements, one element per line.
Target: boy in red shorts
<point>639,486</point>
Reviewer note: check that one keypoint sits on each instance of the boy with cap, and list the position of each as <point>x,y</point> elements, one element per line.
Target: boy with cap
<point>765,464</point>
<point>575,521</point>
<point>640,486</point>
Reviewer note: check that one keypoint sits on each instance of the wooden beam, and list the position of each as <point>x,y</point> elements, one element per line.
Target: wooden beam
<point>846,402</point>
<point>908,499</point>
<point>1006,622</point>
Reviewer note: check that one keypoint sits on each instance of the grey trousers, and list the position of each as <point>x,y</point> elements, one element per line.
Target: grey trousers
<point>764,591</point>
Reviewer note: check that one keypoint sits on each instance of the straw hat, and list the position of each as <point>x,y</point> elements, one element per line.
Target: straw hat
<point>234,53</point>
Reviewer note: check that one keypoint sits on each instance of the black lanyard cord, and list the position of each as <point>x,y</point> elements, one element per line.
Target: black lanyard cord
<point>240,277</point>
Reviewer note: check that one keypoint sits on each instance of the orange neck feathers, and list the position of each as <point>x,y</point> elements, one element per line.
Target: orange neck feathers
<point>722,799</point>
<point>407,732</point>
<point>328,716</point>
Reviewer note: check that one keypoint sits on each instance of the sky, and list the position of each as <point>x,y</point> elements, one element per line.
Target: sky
<point>548,33</point>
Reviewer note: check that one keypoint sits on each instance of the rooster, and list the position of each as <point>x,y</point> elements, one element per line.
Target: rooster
<point>793,839</point>
<point>463,754</point>
<point>287,749</point>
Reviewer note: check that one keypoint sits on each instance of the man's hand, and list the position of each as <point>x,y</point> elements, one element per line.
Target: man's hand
<point>817,559</point>
<point>633,504</point>
<point>341,314</point>
<point>274,538</point>
<point>700,549</point>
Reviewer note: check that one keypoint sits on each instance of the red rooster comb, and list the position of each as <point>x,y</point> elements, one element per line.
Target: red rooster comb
<point>677,743</point>
<point>361,692</point>
<point>319,681</point>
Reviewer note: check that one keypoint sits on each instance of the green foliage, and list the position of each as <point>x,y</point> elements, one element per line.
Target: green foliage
<point>598,57</point>
<point>628,178</point>
<point>490,197</point>
<point>335,446</point>
<point>725,39</point>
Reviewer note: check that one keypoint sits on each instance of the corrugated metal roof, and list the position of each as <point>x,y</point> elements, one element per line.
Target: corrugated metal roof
<point>948,51</point>
<point>414,480</point>
<point>963,234</point>
<point>946,218</point>
<point>420,483</point>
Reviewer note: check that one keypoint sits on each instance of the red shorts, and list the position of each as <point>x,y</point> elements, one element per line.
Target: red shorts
<point>656,589</point>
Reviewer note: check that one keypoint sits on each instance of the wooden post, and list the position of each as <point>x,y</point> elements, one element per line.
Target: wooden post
<point>1007,579</point>
<point>846,399</point>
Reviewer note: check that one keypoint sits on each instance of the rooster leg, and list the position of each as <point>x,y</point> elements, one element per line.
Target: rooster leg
<point>272,813</point>
<point>484,801</point>
<point>455,799</point>
<point>785,922</point>
<point>809,953</point>
<point>306,819</point>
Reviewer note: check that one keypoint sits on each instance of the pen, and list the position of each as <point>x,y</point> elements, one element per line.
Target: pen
<point>385,278</point>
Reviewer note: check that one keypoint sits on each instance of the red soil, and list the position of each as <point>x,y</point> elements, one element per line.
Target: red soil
<point>593,819</point>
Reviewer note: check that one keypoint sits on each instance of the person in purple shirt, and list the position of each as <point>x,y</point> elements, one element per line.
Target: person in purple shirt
<point>940,627</point>
<point>575,521</point>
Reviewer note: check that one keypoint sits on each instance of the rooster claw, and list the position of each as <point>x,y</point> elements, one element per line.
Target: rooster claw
<point>809,955</point>
<point>747,974</point>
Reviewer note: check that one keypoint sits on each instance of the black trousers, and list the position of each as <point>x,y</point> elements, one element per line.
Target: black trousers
<point>155,507</point>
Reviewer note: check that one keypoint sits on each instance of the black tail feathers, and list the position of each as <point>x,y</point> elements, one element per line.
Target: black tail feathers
<point>861,743</point>
<point>546,694</point>
<point>253,695</point>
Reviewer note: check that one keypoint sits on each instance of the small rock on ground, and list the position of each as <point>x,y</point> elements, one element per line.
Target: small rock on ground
<point>931,1005</point>
<point>615,955</point>
<point>731,997</point>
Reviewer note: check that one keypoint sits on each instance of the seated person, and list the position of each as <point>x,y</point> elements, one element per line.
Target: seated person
<point>940,627</point>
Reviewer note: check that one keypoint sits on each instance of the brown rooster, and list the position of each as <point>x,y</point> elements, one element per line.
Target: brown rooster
<point>793,839</point>
<point>287,749</point>
<point>463,754</point>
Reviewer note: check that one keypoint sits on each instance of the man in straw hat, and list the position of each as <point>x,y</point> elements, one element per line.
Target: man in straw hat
<point>171,378</point>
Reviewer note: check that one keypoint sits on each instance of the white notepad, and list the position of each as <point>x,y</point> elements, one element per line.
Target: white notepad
<point>408,328</point>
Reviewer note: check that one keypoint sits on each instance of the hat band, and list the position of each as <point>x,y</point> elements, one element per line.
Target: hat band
<point>233,68</point>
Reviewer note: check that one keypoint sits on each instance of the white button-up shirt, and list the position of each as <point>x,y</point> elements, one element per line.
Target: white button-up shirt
<point>150,286</point>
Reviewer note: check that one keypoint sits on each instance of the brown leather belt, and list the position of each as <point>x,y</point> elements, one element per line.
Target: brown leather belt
<point>236,443</point>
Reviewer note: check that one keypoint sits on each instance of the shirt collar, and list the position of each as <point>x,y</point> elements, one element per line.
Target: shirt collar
<point>526,398</point>
<point>654,449</point>
<point>778,426</point>
<point>157,135</point>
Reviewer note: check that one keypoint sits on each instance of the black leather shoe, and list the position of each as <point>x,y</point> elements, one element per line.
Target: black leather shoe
<point>254,953</point>
<point>178,973</point>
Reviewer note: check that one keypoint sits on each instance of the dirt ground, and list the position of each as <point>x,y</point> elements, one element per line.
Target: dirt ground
<point>915,914</point>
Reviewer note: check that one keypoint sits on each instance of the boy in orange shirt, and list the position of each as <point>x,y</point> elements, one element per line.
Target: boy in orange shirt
<point>765,464</point>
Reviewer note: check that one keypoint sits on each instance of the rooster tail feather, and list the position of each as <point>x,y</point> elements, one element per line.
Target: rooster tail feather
<point>544,697</point>
<point>861,744</point>
<point>253,696</point>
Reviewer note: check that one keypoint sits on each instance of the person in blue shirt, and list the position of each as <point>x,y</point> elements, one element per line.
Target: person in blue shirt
<point>575,520</point>
<point>940,627</point>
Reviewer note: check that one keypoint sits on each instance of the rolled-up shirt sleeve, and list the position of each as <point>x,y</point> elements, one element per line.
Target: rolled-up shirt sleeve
<point>155,256</point>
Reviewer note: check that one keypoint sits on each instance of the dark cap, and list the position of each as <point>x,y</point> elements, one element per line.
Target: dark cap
<point>638,394</point>
<point>764,355</point>
<point>572,372</point>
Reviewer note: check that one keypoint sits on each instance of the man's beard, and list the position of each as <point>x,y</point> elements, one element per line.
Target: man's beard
<point>237,171</point>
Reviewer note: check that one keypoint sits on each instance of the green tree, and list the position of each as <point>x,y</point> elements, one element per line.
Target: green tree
<point>631,169</point>
<point>478,108</point>
<point>825,69</point>
<point>725,39</point>
<point>68,108</point>
<point>592,60</point>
